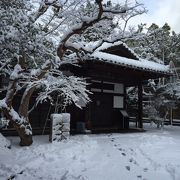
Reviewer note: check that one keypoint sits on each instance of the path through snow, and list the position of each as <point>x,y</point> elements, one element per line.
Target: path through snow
<point>153,155</point>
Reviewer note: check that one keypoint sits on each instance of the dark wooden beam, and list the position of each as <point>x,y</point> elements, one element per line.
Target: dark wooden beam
<point>140,108</point>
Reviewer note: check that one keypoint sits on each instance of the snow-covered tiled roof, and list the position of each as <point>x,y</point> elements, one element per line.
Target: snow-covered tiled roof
<point>131,63</point>
<point>100,54</point>
<point>107,45</point>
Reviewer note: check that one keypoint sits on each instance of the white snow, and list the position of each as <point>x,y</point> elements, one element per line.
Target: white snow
<point>66,118</point>
<point>57,118</point>
<point>152,155</point>
<point>19,120</point>
<point>16,73</point>
<point>107,45</point>
<point>5,143</point>
<point>3,103</point>
<point>139,64</point>
<point>61,126</point>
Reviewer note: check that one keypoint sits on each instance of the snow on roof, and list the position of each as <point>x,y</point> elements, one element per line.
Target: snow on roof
<point>107,45</point>
<point>142,64</point>
<point>132,63</point>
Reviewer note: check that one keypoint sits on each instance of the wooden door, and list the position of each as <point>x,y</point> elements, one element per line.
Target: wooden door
<point>103,115</point>
<point>102,110</point>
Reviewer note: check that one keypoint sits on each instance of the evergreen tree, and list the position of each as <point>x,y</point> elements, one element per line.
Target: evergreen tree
<point>157,44</point>
<point>160,45</point>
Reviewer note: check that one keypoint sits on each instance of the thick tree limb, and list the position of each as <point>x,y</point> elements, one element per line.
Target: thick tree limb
<point>24,106</point>
<point>79,29</point>
<point>45,4</point>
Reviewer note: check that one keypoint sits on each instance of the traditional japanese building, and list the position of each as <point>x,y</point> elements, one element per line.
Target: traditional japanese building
<point>109,71</point>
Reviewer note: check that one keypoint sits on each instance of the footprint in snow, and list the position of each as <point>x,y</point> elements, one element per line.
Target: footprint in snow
<point>131,149</point>
<point>131,160</point>
<point>74,157</point>
<point>145,169</point>
<point>139,176</point>
<point>123,154</point>
<point>128,168</point>
<point>120,149</point>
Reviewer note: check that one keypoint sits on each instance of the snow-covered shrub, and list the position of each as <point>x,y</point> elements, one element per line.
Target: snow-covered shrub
<point>60,127</point>
<point>4,143</point>
<point>163,99</point>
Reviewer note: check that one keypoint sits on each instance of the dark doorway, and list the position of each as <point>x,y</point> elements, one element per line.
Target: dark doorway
<point>103,115</point>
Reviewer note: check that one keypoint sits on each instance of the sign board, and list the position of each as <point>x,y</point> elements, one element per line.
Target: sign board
<point>118,102</point>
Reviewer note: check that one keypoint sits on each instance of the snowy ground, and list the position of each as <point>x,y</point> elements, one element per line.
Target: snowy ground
<point>153,155</point>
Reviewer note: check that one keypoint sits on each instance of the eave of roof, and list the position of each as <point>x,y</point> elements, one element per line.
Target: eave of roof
<point>140,64</point>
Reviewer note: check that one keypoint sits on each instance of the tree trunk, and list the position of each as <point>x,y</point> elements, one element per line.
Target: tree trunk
<point>25,139</point>
<point>20,123</point>
<point>23,128</point>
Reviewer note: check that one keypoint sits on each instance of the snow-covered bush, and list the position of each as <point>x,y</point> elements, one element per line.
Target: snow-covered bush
<point>60,127</point>
<point>163,99</point>
<point>5,143</point>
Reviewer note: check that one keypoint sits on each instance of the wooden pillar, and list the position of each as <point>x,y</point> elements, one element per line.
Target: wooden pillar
<point>171,116</point>
<point>88,116</point>
<point>140,108</point>
<point>1,82</point>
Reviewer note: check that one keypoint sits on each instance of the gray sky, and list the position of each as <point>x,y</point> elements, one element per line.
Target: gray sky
<point>159,12</point>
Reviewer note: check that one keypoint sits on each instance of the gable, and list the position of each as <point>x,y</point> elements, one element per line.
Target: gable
<point>121,51</point>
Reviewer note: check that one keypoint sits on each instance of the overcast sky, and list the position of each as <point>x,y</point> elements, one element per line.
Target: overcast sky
<point>159,12</point>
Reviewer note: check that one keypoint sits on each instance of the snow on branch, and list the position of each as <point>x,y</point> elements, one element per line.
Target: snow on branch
<point>16,73</point>
<point>121,10</point>
<point>12,115</point>
<point>87,21</point>
<point>69,88</point>
<point>45,4</point>
<point>79,28</point>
